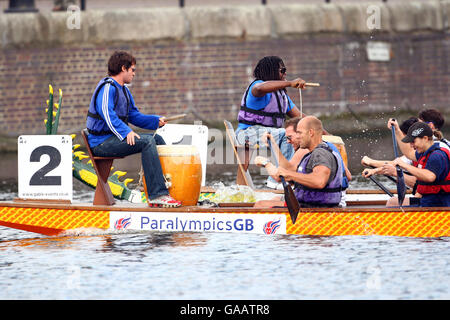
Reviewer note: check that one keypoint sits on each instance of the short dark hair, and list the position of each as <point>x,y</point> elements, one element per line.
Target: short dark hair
<point>292,122</point>
<point>432,115</point>
<point>408,123</point>
<point>119,59</point>
<point>268,68</point>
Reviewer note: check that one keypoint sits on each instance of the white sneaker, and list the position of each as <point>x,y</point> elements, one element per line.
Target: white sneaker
<point>165,201</point>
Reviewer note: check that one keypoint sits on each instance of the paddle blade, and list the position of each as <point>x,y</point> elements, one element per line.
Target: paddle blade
<point>291,200</point>
<point>382,187</point>
<point>401,187</point>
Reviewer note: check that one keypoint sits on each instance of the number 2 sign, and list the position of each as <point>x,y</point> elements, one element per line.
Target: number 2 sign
<point>45,167</point>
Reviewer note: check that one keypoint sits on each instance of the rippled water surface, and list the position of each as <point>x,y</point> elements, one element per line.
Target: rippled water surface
<point>221,266</point>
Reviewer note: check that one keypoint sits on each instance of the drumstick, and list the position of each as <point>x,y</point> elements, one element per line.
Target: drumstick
<point>175,117</point>
<point>312,84</point>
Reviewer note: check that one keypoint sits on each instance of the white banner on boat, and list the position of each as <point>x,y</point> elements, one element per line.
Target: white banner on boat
<point>199,222</point>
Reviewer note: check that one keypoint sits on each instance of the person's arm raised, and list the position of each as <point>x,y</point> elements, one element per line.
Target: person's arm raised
<point>405,148</point>
<point>260,89</point>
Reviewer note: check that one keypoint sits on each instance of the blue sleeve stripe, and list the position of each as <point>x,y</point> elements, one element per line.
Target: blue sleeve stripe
<point>105,110</point>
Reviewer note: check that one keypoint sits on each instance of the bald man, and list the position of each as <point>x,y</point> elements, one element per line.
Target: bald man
<point>318,178</point>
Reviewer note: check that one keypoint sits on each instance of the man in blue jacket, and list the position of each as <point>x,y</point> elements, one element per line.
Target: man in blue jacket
<point>112,107</point>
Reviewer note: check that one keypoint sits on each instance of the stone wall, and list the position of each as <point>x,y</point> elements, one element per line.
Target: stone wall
<point>199,60</point>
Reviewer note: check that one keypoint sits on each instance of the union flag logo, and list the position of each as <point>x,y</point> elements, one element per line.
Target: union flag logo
<point>122,223</point>
<point>271,227</point>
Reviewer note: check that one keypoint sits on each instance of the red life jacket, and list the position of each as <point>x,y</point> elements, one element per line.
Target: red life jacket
<point>436,186</point>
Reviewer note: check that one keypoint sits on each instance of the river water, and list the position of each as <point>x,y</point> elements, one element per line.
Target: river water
<point>138,265</point>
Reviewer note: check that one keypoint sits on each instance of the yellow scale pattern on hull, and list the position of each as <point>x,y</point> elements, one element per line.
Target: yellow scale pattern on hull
<point>389,223</point>
<point>55,219</point>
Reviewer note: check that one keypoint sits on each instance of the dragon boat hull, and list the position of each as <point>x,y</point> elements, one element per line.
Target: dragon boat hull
<point>58,218</point>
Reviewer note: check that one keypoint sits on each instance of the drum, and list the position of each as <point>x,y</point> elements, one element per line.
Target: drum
<point>181,166</point>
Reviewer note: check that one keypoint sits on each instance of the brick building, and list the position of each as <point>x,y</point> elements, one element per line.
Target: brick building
<point>200,60</point>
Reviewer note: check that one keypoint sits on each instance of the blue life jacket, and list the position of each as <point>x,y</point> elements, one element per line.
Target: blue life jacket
<point>345,182</point>
<point>94,122</point>
<point>330,196</point>
<point>272,115</point>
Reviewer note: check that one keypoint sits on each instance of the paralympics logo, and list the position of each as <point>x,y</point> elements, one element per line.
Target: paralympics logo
<point>122,223</point>
<point>271,227</point>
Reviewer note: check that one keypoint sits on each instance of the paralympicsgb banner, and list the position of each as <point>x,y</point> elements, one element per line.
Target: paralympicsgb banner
<point>199,222</point>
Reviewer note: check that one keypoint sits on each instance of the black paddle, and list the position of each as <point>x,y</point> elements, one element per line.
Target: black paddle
<point>289,195</point>
<point>382,187</point>
<point>392,178</point>
<point>401,187</point>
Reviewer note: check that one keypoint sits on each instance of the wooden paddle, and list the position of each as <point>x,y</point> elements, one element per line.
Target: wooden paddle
<point>289,195</point>
<point>401,187</point>
<point>244,176</point>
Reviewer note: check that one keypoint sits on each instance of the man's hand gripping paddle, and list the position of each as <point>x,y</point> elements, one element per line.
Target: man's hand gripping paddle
<point>289,196</point>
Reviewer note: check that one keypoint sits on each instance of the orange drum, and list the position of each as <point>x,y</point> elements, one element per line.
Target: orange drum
<point>181,166</point>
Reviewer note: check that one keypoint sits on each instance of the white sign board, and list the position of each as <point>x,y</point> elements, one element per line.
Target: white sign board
<point>198,222</point>
<point>45,167</point>
<point>187,134</point>
<point>378,51</point>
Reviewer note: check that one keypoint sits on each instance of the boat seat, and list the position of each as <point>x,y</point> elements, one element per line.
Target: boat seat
<point>243,154</point>
<point>102,167</point>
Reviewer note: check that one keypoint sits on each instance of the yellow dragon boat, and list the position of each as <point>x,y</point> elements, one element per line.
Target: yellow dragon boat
<point>56,218</point>
<point>365,214</point>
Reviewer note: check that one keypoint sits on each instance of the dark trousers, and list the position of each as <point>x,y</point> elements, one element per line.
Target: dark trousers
<point>146,145</point>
